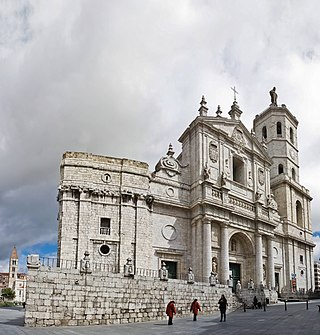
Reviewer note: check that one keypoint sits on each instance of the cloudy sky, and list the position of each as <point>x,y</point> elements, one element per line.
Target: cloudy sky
<point>124,78</point>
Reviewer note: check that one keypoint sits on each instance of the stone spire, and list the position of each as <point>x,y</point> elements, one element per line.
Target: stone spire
<point>203,110</point>
<point>14,254</point>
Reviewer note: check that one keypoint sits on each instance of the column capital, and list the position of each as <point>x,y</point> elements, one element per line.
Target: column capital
<point>225,224</point>
<point>206,220</point>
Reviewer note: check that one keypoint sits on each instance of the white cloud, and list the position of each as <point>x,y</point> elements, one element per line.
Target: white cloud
<point>124,78</point>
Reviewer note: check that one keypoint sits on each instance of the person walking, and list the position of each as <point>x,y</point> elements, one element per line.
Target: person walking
<point>170,311</point>
<point>255,302</point>
<point>195,308</point>
<point>223,307</point>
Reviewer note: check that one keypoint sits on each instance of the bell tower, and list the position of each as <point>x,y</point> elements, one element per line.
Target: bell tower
<point>276,129</point>
<point>13,268</point>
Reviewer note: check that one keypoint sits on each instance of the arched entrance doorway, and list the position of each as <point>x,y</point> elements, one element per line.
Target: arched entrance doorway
<point>241,259</point>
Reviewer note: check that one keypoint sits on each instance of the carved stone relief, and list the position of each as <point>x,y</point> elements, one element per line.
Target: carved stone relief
<point>238,139</point>
<point>169,232</point>
<point>213,152</point>
<point>261,176</point>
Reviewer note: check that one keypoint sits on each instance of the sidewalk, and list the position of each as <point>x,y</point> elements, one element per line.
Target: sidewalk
<point>296,320</point>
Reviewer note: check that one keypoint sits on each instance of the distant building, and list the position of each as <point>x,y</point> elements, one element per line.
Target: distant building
<point>230,203</point>
<point>4,280</point>
<point>13,279</point>
<point>317,277</point>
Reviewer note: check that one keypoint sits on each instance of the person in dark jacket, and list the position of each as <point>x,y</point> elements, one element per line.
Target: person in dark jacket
<point>223,307</point>
<point>195,308</point>
<point>170,311</point>
<point>255,302</point>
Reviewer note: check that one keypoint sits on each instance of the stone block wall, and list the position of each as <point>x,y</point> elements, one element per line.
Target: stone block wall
<point>66,297</point>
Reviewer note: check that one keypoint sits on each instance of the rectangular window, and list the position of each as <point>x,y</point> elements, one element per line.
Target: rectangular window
<point>105,226</point>
<point>172,269</point>
<point>301,259</point>
<point>14,262</point>
<point>238,170</point>
<point>13,269</point>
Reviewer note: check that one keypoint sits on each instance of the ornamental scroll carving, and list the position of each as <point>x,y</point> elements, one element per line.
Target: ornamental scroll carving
<point>169,164</point>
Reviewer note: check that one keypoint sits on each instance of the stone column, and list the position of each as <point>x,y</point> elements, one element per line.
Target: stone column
<point>271,278</point>
<point>224,259</point>
<point>259,267</point>
<point>206,248</point>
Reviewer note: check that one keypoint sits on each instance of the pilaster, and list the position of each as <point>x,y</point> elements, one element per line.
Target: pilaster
<point>224,259</point>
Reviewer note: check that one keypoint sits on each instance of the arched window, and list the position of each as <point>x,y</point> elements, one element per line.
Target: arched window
<point>293,172</point>
<point>280,168</point>
<point>291,135</point>
<point>299,214</point>
<point>264,132</point>
<point>279,129</point>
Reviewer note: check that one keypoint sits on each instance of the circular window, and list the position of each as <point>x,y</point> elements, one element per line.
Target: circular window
<point>302,272</point>
<point>106,178</point>
<point>104,249</point>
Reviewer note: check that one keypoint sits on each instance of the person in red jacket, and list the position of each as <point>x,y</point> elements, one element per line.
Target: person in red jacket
<point>195,308</point>
<point>170,311</point>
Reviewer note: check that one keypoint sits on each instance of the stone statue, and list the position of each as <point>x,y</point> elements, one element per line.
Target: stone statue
<point>274,96</point>
<point>190,279</point>
<point>214,265</point>
<point>206,171</point>
<point>238,287</point>
<point>213,279</point>
<point>85,264</point>
<point>128,268</point>
<point>163,272</point>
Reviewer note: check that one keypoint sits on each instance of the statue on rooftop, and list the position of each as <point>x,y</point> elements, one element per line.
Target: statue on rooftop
<point>274,96</point>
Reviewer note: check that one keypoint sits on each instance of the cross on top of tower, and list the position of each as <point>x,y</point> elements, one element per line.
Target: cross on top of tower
<point>234,93</point>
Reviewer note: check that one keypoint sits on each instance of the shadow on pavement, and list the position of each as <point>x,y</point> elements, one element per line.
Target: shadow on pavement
<point>16,317</point>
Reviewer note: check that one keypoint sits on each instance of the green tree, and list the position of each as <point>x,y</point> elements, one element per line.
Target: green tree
<point>8,293</point>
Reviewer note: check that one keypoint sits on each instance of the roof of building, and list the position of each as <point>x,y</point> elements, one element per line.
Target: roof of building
<point>14,254</point>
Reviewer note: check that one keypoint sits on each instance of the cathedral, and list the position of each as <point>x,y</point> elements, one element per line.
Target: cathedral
<point>229,204</point>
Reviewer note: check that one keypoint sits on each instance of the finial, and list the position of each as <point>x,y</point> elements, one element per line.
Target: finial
<point>203,110</point>
<point>219,111</point>
<point>235,111</point>
<point>170,150</point>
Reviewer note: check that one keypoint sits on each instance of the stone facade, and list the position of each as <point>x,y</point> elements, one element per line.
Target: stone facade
<point>229,203</point>
<point>61,297</point>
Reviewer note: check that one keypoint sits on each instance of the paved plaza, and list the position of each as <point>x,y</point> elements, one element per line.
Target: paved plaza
<point>296,320</point>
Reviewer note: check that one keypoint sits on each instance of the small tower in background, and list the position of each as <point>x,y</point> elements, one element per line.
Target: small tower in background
<point>13,268</point>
